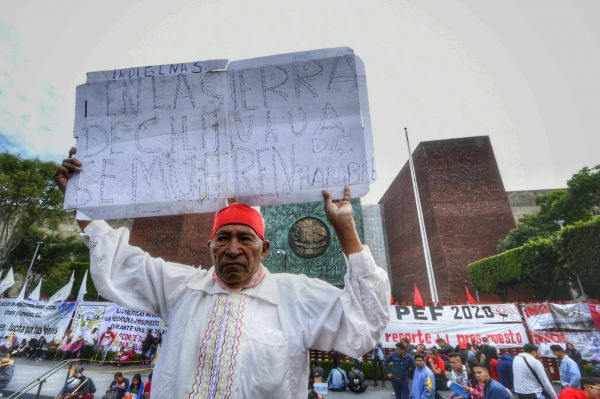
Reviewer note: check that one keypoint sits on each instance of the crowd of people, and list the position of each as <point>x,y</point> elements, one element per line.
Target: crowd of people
<point>79,386</point>
<point>468,370</point>
<point>86,346</point>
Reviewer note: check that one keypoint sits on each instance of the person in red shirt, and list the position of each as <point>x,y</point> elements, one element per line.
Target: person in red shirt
<point>591,390</point>
<point>435,362</point>
<point>147,387</point>
<point>105,342</point>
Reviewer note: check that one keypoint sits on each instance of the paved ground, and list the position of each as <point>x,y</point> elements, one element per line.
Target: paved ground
<point>27,370</point>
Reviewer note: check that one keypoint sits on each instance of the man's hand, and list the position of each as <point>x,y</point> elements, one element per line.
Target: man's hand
<point>66,169</point>
<point>390,376</point>
<point>339,214</point>
<point>63,173</point>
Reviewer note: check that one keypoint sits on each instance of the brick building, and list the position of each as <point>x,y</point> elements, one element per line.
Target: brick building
<point>466,213</point>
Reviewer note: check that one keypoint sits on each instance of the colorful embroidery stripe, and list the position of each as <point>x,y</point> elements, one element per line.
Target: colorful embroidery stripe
<point>219,348</point>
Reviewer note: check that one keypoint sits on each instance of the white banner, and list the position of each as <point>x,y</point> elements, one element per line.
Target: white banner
<point>31,318</point>
<point>181,138</point>
<point>461,314</point>
<point>131,326</point>
<point>87,317</point>
<point>587,343</point>
<point>508,335</point>
<point>569,316</point>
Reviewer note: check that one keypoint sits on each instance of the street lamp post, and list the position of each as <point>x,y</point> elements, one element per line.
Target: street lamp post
<point>281,252</point>
<point>39,244</point>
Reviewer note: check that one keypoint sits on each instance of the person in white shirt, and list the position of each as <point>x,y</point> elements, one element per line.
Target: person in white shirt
<point>236,330</point>
<point>530,378</point>
<point>90,339</point>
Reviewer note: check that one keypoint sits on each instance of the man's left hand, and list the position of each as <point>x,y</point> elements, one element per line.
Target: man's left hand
<point>339,214</point>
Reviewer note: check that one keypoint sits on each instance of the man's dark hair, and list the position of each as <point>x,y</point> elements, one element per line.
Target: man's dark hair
<point>419,356</point>
<point>453,354</point>
<point>556,348</point>
<point>440,339</point>
<point>401,345</point>
<point>590,380</point>
<point>530,348</point>
<point>118,374</point>
<point>477,364</point>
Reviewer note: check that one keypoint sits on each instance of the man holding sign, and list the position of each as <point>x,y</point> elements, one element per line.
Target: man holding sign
<point>235,330</point>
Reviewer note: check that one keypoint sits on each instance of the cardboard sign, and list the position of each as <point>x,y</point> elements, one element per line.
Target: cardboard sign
<point>181,138</point>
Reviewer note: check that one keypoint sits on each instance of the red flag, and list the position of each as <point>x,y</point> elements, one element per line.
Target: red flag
<point>470,298</point>
<point>417,300</point>
<point>391,299</point>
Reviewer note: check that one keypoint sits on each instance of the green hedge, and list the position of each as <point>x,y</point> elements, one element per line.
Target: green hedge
<point>545,264</point>
<point>580,248</point>
<point>536,263</point>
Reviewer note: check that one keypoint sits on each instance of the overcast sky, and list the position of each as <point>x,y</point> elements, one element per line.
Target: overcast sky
<point>523,72</point>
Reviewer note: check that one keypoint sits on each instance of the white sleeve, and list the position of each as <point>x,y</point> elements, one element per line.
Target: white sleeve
<point>351,320</point>
<point>130,277</point>
<point>541,373</point>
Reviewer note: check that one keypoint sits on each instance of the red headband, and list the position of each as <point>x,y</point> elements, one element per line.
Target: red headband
<point>239,214</point>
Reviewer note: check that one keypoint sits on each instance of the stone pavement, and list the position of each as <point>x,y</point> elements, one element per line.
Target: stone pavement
<point>27,370</point>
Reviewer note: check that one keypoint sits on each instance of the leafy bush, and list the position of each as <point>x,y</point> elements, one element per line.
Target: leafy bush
<point>580,248</point>
<point>536,263</point>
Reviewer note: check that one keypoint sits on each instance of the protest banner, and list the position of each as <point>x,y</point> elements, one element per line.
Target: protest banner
<point>548,316</point>
<point>503,335</point>
<point>586,342</point>
<point>464,314</point>
<point>181,138</point>
<point>130,326</point>
<point>87,317</point>
<point>34,318</point>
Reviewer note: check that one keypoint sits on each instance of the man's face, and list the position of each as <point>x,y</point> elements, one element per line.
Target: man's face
<point>420,362</point>
<point>420,348</point>
<point>535,354</point>
<point>592,391</point>
<point>481,374</point>
<point>456,364</point>
<point>558,354</point>
<point>237,252</point>
<point>400,351</point>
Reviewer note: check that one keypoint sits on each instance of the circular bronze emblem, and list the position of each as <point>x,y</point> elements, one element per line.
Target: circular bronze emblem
<point>309,237</point>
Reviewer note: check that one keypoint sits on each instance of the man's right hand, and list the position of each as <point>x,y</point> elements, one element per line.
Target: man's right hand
<point>64,171</point>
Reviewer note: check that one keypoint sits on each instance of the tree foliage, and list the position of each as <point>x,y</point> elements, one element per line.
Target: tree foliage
<point>28,197</point>
<point>57,257</point>
<point>580,201</point>
<point>580,249</point>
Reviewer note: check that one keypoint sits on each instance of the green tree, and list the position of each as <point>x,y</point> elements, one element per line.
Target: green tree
<point>580,249</point>
<point>58,275</point>
<point>28,197</point>
<point>57,257</point>
<point>580,201</point>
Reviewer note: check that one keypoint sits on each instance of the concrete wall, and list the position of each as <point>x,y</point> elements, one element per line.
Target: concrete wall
<point>375,235</point>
